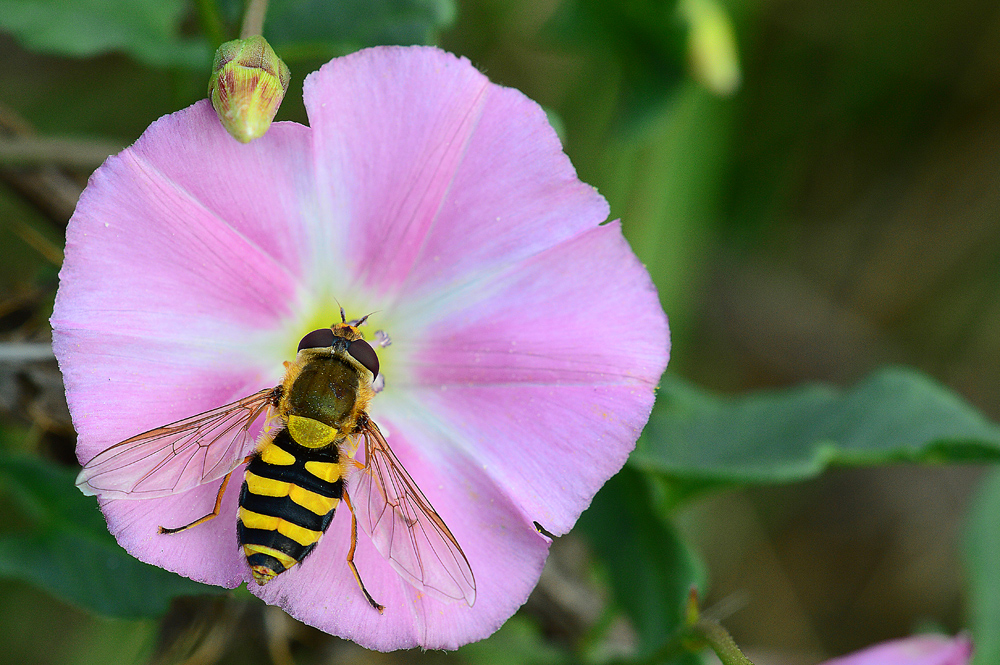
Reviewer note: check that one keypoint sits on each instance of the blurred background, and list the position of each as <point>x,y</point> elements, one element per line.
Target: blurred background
<point>813,186</point>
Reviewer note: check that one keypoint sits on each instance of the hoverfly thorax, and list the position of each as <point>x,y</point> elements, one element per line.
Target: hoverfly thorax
<point>330,383</point>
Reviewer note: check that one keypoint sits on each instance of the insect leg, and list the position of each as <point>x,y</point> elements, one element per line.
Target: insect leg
<point>215,511</point>
<point>350,555</point>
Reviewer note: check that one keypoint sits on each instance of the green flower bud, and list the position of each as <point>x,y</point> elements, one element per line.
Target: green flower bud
<point>248,83</point>
<point>712,49</point>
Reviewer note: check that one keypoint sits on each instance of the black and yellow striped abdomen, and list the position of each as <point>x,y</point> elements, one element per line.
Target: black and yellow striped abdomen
<point>289,495</point>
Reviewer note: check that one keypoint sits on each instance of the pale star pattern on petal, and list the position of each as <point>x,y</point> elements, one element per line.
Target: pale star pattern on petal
<point>527,339</point>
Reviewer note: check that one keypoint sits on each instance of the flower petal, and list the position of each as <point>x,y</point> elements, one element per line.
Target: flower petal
<point>434,173</point>
<point>130,385</point>
<point>207,553</point>
<point>504,550</point>
<point>916,650</point>
<point>544,373</point>
<point>167,222</point>
<point>529,338</point>
<point>167,274</point>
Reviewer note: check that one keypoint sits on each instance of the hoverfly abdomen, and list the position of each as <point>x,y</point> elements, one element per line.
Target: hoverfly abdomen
<point>288,499</point>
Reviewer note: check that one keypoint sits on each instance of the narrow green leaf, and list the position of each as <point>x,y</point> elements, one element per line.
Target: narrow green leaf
<point>69,552</point>
<point>982,564</point>
<point>650,568</point>
<point>148,30</point>
<point>699,440</point>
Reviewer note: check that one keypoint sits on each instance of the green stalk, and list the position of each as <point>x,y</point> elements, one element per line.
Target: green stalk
<point>253,19</point>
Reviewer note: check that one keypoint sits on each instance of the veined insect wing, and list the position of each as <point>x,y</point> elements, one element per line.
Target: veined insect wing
<point>176,457</point>
<point>404,527</point>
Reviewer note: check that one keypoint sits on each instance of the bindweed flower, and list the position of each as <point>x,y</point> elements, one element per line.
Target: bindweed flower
<point>526,338</point>
<point>247,85</point>
<point>916,650</point>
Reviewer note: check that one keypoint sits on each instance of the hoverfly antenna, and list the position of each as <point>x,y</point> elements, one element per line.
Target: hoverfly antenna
<point>343,317</point>
<point>361,321</point>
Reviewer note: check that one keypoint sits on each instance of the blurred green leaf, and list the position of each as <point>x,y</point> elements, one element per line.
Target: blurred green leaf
<point>647,38</point>
<point>700,440</point>
<point>665,183</point>
<point>518,641</point>
<point>148,30</point>
<point>320,29</point>
<point>982,564</point>
<point>651,569</point>
<point>69,551</point>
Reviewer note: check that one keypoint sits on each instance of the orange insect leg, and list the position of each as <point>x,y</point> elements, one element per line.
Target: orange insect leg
<point>350,555</point>
<point>215,511</point>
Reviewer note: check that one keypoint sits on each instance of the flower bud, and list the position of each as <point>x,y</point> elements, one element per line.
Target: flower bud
<point>248,83</point>
<point>712,50</point>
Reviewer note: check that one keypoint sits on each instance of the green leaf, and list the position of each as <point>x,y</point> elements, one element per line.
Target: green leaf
<point>666,184</point>
<point>645,37</point>
<point>518,641</point>
<point>982,564</point>
<point>650,568</point>
<point>699,440</point>
<point>148,30</point>
<point>69,552</point>
<point>321,29</point>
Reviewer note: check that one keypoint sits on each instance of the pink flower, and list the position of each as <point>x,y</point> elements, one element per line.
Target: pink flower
<point>526,338</point>
<point>916,650</point>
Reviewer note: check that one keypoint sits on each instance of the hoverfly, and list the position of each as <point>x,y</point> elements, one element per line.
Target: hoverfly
<point>298,471</point>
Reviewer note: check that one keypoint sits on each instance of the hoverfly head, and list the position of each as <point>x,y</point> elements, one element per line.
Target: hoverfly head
<point>358,349</point>
<point>317,339</point>
<point>363,352</point>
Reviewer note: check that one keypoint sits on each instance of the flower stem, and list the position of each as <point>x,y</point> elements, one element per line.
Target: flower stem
<point>720,641</point>
<point>41,150</point>
<point>253,19</point>
<point>51,252</point>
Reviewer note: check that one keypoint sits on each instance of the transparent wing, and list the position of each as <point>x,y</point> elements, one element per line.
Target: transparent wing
<point>405,528</point>
<point>178,456</point>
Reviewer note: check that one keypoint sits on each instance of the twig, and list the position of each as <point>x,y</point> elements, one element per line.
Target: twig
<point>33,150</point>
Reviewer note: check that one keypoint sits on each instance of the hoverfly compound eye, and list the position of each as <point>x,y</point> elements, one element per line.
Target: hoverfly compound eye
<point>317,339</point>
<point>363,352</point>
